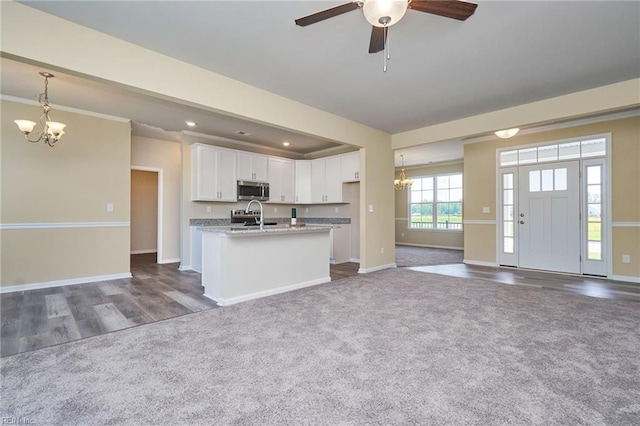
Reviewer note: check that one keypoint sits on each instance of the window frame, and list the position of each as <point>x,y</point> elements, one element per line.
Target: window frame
<point>435,203</point>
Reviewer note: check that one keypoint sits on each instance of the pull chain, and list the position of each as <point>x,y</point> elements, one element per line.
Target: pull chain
<point>386,48</point>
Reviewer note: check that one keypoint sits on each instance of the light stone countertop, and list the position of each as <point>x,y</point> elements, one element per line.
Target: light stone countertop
<point>244,231</point>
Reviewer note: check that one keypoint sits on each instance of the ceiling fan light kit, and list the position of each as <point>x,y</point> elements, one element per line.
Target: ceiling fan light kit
<point>381,14</point>
<point>384,13</point>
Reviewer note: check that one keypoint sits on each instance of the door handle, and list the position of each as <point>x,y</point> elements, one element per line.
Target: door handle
<point>522,222</point>
<point>521,214</point>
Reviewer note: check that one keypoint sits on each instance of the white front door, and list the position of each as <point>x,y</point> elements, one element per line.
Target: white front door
<point>548,217</point>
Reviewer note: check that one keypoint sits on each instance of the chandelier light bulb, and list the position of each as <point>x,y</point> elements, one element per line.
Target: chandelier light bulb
<point>25,126</point>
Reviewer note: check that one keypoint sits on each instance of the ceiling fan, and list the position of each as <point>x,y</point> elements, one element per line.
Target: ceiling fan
<point>381,14</point>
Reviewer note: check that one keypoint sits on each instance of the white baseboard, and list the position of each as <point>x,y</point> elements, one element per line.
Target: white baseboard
<point>377,268</point>
<point>163,261</point>
<point>60,283</point>
<point>625,278</point>
<point>185,268</point>
<point>355,260</point>
<point>480,263</point>
<point>429,246</point>
<point>257,295</point>
<point>144,251</point>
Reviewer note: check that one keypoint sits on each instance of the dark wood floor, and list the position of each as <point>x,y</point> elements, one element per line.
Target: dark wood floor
<point>39,318</point>
<point>588,286</point>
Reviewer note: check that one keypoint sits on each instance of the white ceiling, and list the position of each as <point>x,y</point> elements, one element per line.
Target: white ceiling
<point>508,53</point>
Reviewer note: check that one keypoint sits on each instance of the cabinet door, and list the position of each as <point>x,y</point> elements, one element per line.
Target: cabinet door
<point>275,179</point>
<point>227,184</point>
<point>288,181</point>
<point>318,176</point>
<point>351,167</point>
<point>303,182</point>
<point>333,180</point>
<point>245,169</point>
<point>203,174</point>
<point>260,168</point>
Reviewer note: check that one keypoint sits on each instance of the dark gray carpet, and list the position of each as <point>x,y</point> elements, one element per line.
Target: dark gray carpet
<point>426,256</point>
<point>391,347</point>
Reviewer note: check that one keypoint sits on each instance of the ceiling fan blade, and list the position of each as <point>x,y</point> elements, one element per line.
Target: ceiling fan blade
<point>378,37</point>
<point>459,10</point>
<point>326,14</point>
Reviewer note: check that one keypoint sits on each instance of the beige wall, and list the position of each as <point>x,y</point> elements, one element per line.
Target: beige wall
<point>424,237</point>
<point>480,189</point>
<point>144,212</point>
<point>128,65</point>
<point>166,156</point>
<point>70,184</point>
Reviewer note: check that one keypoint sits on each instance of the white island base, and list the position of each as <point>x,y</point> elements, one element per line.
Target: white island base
<point>240,265</point>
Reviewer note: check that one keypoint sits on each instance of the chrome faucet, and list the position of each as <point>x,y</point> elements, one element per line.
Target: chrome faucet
<point>261,212</point>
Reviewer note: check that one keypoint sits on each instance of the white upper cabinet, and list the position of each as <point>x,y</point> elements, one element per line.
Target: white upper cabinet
<point>303,182</point>
<point>213,174</point>
<point>252,166</point>
<point>281,180</point>
<point>351,167</point>
<point>326,180</point>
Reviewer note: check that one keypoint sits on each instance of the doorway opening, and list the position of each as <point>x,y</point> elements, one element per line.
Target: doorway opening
<point>146,211</point>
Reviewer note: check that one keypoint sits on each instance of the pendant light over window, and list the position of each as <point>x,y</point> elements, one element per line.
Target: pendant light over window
<point>403,182</point>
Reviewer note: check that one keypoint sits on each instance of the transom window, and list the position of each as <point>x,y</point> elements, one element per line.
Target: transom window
<point>555,152</point>
<point>435,202</point>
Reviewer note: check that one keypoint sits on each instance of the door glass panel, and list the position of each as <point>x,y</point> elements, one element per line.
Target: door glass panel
<point>593,147</point>
<point>548,153</point>
<point>528,155</point>
<point>593,193</point>
<point>534,181</point>
<point>547,180</point>
<point>594,250</point>
<point>593,175</point>
<point>508,212</point>
<point>508,196</point>
<point>507,181</point>
<point>508,158</point>
<point>569,150</point>
<point>508,244</point>
<point>560,179</point>
<point>508,229</point>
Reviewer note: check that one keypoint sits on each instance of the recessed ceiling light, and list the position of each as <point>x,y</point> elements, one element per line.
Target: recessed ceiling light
<point>286,143</point>
<point>190,123</point>
<point>243,133</point>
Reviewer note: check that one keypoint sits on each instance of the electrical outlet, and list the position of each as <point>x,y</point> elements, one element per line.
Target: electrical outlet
<point>208,209</point>
<point>109,207</point>
<point>275,210</point>
<point>486,210</point>
<point>337,209</point>
<point>370,208</point>
<point>306,209</point>
<point>626,258</point>
<point>381,250</point>
<point>402,234</point>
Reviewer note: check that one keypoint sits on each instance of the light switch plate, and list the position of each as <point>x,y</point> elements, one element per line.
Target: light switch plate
<point>486,210</point>
<point>208,209</point>
<point>109,207</point>
<point>370,208</point>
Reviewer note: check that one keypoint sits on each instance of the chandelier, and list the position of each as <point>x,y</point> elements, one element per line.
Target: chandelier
<point>52,131</point>
<point>403,182</point>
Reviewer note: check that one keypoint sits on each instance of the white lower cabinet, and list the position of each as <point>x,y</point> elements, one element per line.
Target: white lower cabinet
<point>341,243</point>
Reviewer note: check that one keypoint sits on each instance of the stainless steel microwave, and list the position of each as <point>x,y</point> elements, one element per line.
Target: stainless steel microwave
<point>250,190</point>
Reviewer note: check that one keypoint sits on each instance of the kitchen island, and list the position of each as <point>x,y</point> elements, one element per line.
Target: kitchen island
<point>240,264</point>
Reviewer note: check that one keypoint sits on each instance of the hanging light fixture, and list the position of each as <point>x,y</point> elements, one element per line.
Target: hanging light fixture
<point>52,131</point>
<point>403,182</point>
